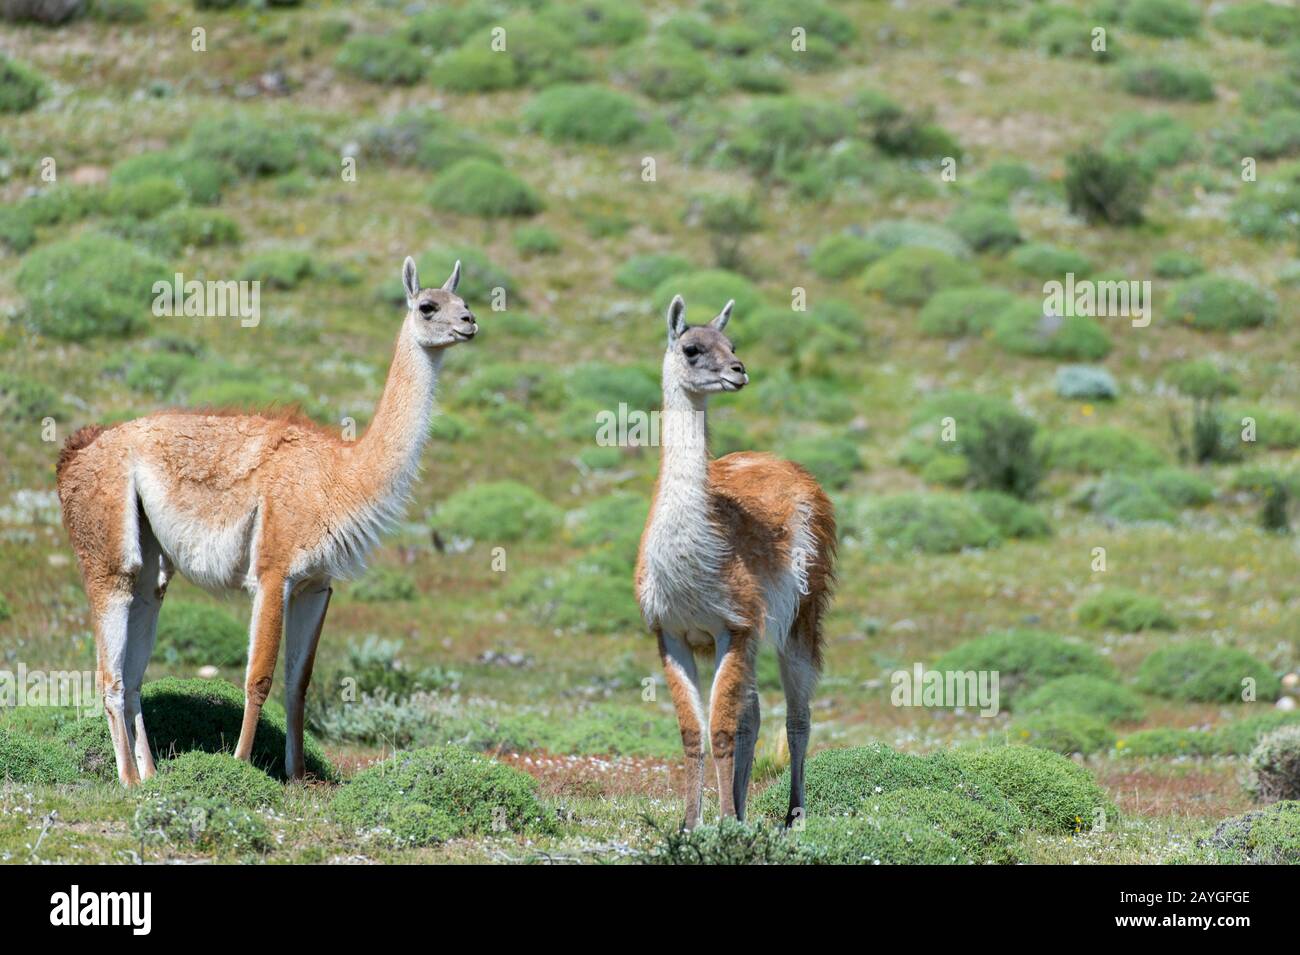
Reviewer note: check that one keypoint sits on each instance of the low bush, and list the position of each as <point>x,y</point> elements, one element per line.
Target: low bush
<point>985,227</point>
<point>584,114</point>
<point>894,234</point>
<point>1240,736</point>
<point>203,180</point>
<point>1099,449</point>
<point>1180,488</point>
<point>1221,304</point>
<point>430,795</point>
<point>727,843</point>
<point>1025,660</point>
<point>708,290</point>
<point>21,87</point>
<point>1260,20</point>
<point>1205,673</point>
<point>1024,329</point>
<point>832,459</point>
<point>1085,383</point>
<point>279,268</point>
<point>1043,261</point>
<point>1092,696</point>
<point>1063,731</point>
<point>28,401</point>
<point>382,585</point>
<point>997,441</point>
<point>1156,140</point>
<point>1164,742</point>
<point>1167,81</point>
<point>1163,18</point>
<point>215,776</point>
<point>1013,519</point>
<point>1106,188</point>
<point>911,275</point>
<point>643,273</point>
<point>958,312</point>
<point>198,634</point>
<point>479,187</point>
<point>1127,500</point>
<point>982,834</point>
<point>843,255</point>
<point>536,240</point>
<point>666,70</point>
<point>924,523</point>
<point>871,840</point>
<point>254,147</point>
<point>1119,608</point>
<point>1177,265</point>
<point>1262,837</point>
<point>198,824</point>
<point>1275,766</point>
<point>28,760</point>
<point>1054,793</point>
<point>499,512</point>
<point>386,59</point>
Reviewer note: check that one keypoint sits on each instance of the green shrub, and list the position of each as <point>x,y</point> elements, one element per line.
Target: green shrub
<point>195,634</point>
<point>780,135</point>
<point>1157,140</point>
<point>1119,608</point>
<point>88,286</point>
<point>843,255</point>
<point>1044,261</point>
<point>1165,743</point>
<point>1054,793</point>
<point>28,401</point>
<point>28,760</point>
<point>998,442</point>
<point>1106,188</point>
<point>21,87</point>
<point>479,187</point>
<point>666,70</point>
<point>911,275</point>
<point>477,68</point>
<point>597,22</point>
<point>727,843</point>
<point>985,227</point>
<point>430,795</point>
<point>202,179</point>
<point>1168,82</point>
<point>1013,519</point>
<point>1221,304</point>
<point>1201,378</point>
<point>1099,449</point>
<point>1240,736</point>
<point>1025,660</point>
<point>1263,837</point>
<point>538,54</point>
<point>384,585</point>
<point>1275,766</point>
<point>859,840</point>
<point>1176,265</point>
<point>1025,329</point>
<point>708,290</point>
<point>955,313</point>
<point>1272,136</point>
<point>1180,488</point>
<point>892,234</point>
<point>185,715</point>
<point>643,273</point>
<point>1163,18</point>
<point>927,523</point>
<point>120,11</point>
<point>1085,383</point>
<point>381,59</point>
<point>279,268</point>
<point>6,609</point>
<point>1273,429</point>
<point>588,595</point>
<point>1092,696</point>
<point>1127,500</point>
<point>1205,673</point>
<point>444,25</point>
<point>215,776</point>
<point>616,519</point>
<point>253,147</point>
<point>143,199</point>
<point>204,825</point>
<point>584,114</point>
<point>498,511</point>
<point>981,833</point>
<point>831,459</point>
<point>17,232</point>
<point>1062,731</point>
<point>1266,22</point>
<point>606,385</point>
<point>536,240</point>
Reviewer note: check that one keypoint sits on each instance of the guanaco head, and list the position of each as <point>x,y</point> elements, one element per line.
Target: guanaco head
<point>701,358</point>
<point>438,317</point>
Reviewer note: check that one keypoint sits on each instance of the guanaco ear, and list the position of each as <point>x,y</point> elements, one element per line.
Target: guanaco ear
<point>410,281</point>
<point>724,316</point>
<point>676,318</point>
<point>453,280</point>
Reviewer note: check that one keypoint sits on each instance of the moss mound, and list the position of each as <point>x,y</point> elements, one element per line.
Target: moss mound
<point>925,523</point>
<point>581,113</point>
<point>982,834</point>
<point>1090,695</point>
<point>911,275</point>
<point>878,840</point>
<point>480,187</point>
<point>498,511</point>
<point>1203,672</point>
<point>27,759</point>
<point>1265,837</point>
<point>1053,793</point>
<point>186,715</point>
<point>1025,660</point>
<point>1064,731</point>
<point>195,634</point>
<point>215,776</point>
<point>430,795</point>
<point>1119,608</point>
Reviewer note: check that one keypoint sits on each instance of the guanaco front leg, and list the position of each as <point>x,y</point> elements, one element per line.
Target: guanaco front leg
<point>733,687</point>
<point>684,687</point>
<point>267,627</point>
<point>302,627</point>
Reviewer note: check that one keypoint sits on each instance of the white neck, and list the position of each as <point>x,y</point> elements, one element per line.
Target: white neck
<point>683,434</point>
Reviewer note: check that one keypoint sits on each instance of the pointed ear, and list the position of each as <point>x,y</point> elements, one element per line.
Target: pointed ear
<point>676,318</point>
<point>724,316</point>
<point>410,281</point>
<point>453,280</point>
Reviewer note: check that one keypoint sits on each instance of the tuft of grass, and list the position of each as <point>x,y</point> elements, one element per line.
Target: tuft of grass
<point>1206,673</point>
<point>1119,608</point>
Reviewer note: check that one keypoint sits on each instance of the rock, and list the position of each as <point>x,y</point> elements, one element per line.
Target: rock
<point>1286,703</point>
<point>49,12</point>
<point>209,672</point>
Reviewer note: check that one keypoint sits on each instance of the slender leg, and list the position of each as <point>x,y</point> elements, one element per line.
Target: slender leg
<point>302,627</point>
<point>798,678</point>
<point>267,628</point>
<point>142,630</point>
<point>684,685</point>
<point>746,740</point>
<point>112,612</point>
<point>733,688</point>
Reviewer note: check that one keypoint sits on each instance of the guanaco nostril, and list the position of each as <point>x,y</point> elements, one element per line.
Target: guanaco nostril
<point>738,367</point>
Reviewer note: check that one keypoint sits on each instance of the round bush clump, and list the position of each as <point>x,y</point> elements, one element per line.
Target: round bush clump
<point>1181,488</point>
<point>1063,731</point>
<point>1119,608</point>
<point>832,459</point>
<point>205,825</point>
<point>384,585</point>
<point>927,523</point>
<point>707,291</point>
<point>727,843</point>
<point>21,88</point>
<point>1260,20</point>
<point>584,114</point>
<point>1263,837</point>
<point>954,313</point>
<point>1025,660</point>
<point>88,286</point>
<point>1216,303</point>
<point>1239,737</point>
<point>479,187</point>
<point>1100,449</point>
<point>1043,261</point>
<point>1024,329</point>
<point>1013,518</point>
<point>251,146</point>
<point>381,59</point>
<point>1128,500</point>
<point>1054,793</point>
<point>643,273</point>
<point>1090,695</point>
<point>1163,18</point>
<point>431,795</point>
<point>666,70</point>
<point>911,275</point>
<point>893,234</point>
<point>871,840</point>
<point>998,442</point>
<point>143,199</point>
<point>27,759</point>
<point>1205,673</point>
<point>1164,742</point>
<point>186,715</point>
<point>982,834</point>
<point>202,179</point>
<point>216,776</point>
<point>1275,766</point>
<point>1106,187</point>
<point>1085,383</point>
<point>840,256</point>
<point>196,634</point>
<point>986,228</point>
<point>1169,82</point>
<point>498,511</point>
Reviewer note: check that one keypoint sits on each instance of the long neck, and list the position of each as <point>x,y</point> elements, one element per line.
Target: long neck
<point>683,436</point>
<point>387,456</point>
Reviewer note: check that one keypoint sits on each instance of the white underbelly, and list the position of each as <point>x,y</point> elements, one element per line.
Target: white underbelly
<point>213,555</point>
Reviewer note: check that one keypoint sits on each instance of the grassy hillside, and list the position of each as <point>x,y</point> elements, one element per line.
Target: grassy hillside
<point>885,204</point>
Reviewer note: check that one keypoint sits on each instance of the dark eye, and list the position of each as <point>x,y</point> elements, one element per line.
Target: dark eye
<point>690,351</point>
<point>428,308</point>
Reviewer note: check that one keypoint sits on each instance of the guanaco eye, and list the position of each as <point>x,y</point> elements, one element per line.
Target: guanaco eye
<point>428,308</point>
<point>690,351</point>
